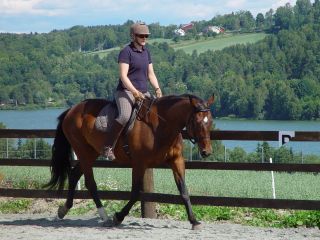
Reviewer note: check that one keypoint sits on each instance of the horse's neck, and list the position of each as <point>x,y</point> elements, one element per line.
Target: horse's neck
<point>179,114</point>
<point>175,118</point>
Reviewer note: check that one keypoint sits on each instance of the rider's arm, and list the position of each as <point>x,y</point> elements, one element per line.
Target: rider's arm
<point>123,72</point>
<point>152,77</point>
<point>153,80</point>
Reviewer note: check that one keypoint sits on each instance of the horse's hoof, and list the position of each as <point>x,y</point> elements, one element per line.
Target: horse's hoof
<point>62,211</point>
<point>116,222</point>
<point>196,226</point>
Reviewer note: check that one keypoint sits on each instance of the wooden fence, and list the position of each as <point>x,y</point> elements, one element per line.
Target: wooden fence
<point>148,198</point>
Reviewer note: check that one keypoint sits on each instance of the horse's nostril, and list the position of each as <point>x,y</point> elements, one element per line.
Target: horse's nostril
<point>204,153</point>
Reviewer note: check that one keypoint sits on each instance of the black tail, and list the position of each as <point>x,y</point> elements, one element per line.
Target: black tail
<point>61,157</point>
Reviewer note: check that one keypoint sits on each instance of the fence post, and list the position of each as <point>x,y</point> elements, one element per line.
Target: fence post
<point>7,148</point>
<point>148,209</point>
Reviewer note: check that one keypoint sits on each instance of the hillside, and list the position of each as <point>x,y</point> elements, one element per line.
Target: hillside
<point>217,43</point>
<point>200,45</point>
<point>271,76</point>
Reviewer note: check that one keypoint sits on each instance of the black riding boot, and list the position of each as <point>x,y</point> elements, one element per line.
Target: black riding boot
<point>112,138</point>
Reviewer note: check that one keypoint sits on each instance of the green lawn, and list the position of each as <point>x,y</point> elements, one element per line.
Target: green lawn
<point>304,186</point>
<point>218,43</point>
<point>200,45</point>
<point>102,53</point>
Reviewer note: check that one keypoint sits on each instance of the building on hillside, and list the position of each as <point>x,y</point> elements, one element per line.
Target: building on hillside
<point>214,29</point>
<point>179,32</point>
<point>183,29</point>
<point>186,27</point>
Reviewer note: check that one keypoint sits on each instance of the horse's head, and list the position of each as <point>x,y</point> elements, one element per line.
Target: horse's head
<point>200,123</point>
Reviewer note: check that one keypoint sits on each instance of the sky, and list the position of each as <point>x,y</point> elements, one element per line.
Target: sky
<point>42,16</point>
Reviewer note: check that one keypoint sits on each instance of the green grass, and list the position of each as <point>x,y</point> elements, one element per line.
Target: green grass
<point>300,186</point>
<point>200,45</point>
<point>102,53</point>
<point>217,43</point>
<point>250,184</point>
<point>15,205</point>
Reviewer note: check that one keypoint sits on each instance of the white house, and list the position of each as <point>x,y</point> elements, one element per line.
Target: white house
<point>179,32</point>
<point>214,29</point>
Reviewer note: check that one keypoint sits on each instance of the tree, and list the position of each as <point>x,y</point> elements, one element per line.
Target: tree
<point>283,155</point>
<point>35,148</point>
<point>238,155</point>
<point>260,21</point>
<point>282,103</point>
<point>264,152</point>
<point>269,19</point>
<point>302,12</point>
<point>247,22</point>
<point>283,17</point>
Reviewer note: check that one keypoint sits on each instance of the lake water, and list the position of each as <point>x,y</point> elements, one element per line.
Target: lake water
<point>47,119</point>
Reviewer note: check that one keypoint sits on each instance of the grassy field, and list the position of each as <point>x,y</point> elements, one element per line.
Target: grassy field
<point>212,183</point>
<point>200,45</point>
<point>304,186</point>
<point>218,43</point>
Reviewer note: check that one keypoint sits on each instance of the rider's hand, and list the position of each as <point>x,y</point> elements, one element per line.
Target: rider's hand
<point>138,96</point>
<point>158,93</point>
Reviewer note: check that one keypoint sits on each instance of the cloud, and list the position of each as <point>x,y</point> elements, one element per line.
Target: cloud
<point>281,3</point>
<point>35,7</point>
<point>161,9</point>
<point>236,3</point>
<point>45,15</point>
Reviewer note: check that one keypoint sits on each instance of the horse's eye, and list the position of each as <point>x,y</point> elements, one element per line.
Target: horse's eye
<point>205,120</point>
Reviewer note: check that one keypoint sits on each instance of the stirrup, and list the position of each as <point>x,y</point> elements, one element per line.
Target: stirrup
<point>108,153</point>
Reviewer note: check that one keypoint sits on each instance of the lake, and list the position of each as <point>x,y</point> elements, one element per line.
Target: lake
<point>46,119</point>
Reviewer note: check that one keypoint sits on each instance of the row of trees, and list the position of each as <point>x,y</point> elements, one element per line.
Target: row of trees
<point>262,154</point>
<point>277,78</point>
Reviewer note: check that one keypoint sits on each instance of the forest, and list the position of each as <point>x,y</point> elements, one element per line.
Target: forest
<point>275,78</point>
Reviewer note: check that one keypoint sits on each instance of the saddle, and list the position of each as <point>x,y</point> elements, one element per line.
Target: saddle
<point>110,112</point>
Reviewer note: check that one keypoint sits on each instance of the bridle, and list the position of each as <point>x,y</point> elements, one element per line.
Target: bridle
<point>190,125</point>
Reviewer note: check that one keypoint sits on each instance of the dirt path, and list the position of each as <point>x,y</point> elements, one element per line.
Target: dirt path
<point>40,226</point>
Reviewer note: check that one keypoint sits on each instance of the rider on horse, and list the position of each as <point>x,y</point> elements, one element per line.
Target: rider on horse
<point>135,68</point>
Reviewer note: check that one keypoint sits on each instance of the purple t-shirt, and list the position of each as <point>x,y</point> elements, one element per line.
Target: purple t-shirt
<point>138,66</point>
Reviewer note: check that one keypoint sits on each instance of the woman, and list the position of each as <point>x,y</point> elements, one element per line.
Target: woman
<point>135,69</point>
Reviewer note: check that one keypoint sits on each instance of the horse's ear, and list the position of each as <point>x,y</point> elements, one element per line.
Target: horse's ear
<point>211,100</point>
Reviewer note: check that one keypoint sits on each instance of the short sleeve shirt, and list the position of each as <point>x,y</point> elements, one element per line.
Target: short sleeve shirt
<point>138,66</point>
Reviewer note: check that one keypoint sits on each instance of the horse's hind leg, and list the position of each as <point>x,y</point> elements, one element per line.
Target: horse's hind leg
<point>178,168</point>
<point>74,177</point>
<point>87,155</point>
<point>86,164</point>
<point>137,181</point>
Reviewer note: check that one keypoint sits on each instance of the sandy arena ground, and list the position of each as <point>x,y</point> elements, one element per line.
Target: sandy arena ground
<point>89,227</point>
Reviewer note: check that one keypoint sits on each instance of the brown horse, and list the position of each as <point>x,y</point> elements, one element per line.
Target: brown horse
<point>154,139</point>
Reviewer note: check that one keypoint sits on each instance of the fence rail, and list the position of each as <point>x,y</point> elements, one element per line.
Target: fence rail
<point>169,198</point>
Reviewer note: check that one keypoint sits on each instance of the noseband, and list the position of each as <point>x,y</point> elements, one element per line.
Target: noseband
<point>190,122</point>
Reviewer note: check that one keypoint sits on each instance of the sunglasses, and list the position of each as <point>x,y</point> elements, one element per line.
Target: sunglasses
<point>142,35</point>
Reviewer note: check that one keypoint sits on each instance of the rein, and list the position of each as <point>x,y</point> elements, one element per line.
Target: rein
<point>148,107</point>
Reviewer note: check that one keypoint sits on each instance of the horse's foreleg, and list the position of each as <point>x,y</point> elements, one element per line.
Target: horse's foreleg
<point>178,168</point>
<point>74,177</point>
<point>137,180</point>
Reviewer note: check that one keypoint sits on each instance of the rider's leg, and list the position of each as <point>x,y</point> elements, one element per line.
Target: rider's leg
<point>125,101</point>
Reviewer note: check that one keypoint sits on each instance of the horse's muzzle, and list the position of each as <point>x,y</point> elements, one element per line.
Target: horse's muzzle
<point>205,153</point>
